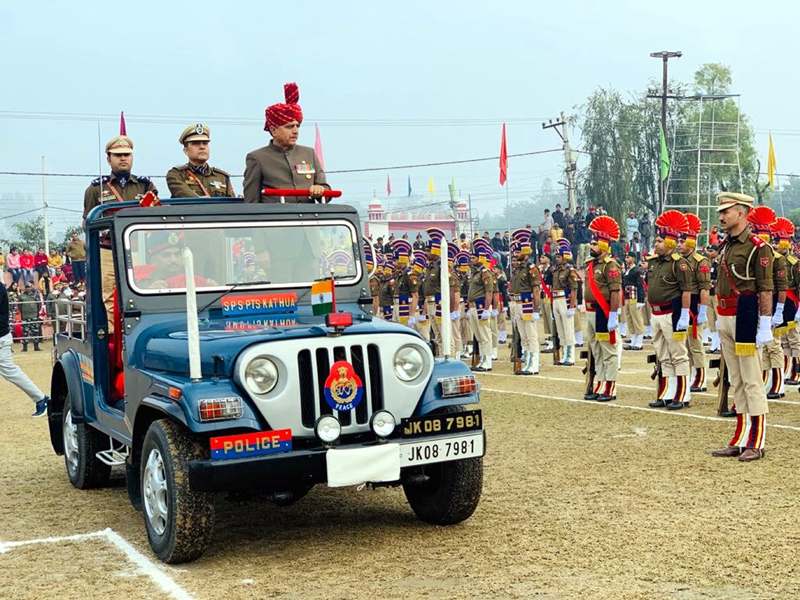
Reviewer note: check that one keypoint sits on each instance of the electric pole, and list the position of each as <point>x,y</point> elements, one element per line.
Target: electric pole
<point>44,206</point>
<point>664,55</point>
<point>570,158</point>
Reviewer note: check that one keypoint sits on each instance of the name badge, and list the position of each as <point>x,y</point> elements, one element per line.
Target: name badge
<point>305,169</point>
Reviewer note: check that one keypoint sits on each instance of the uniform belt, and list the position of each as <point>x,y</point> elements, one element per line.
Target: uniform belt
<point>661,309</point>
<point>559,294</point>
<point>590,306</point>
<point>515,297</point>
<point>726,305</point>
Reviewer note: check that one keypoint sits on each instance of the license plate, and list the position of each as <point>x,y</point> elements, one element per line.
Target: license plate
<point>470,420</point>
<point>251,444</point>
<point>441,450</point>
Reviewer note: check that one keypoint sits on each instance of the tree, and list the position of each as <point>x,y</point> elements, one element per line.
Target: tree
<point>30,233</point>
<point>70,230</point>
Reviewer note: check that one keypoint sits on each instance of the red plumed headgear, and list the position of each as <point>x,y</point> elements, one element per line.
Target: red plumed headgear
<point>782,229</point>
<point>761,219</point>
<point>671,225</point>
<point>280,114</point>
<point>604,228</point>
<point>695,226</point>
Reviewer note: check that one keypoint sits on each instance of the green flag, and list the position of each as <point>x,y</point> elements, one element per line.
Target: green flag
<point>452,189</point>
<point>664,154</point>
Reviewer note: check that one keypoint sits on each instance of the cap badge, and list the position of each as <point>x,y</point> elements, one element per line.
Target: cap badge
<point>199,129</point>
<point>173,238</point>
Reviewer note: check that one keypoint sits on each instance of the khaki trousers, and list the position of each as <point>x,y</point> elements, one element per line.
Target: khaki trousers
<point>606,363</point>
<point>482,331</point>
<point>564,324</point>
<point>633,316</point>
<point>697,356</point>
<point>647,315</point>
<point>579,321</point>
<point>456,343</point>
<point>527,329</point>
<point>108,281</point>
<point>712,314</point>
<point>791,343</point>
<point>672,355</point>
<point>430,311</point>
<point>772,356</point>
<point>466,327</point>
<point>743,371</point>
<point>495,331</point>
<point>547,315</point>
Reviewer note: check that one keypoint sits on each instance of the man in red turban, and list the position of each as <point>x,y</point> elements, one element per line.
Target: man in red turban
<point>283,164</point>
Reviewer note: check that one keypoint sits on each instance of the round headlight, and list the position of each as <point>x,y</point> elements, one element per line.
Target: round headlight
<point>328,429</point>
<point>261,375</point>
<point>383,423</point>
<point>408,363</point>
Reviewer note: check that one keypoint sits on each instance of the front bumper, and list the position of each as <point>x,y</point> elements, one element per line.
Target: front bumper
<point>281,471</point>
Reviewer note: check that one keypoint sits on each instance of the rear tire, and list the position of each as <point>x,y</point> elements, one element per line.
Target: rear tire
<point>81,445</point>
<point>179,521</point>
<point>451,490</point>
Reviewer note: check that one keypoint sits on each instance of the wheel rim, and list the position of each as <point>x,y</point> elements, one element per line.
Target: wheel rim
<point>156,492</point>
<point>71,451</point>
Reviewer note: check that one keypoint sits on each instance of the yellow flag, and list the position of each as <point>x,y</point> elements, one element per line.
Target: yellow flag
<point>771,166</point>
<point>430,186</point>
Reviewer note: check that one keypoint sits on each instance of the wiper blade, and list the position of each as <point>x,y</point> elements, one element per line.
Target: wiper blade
<point>239,283</point>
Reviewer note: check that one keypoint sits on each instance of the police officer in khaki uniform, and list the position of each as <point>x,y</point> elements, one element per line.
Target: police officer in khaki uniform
<point>197,178</point>
<point>524,296</point>
<point>431,287</point>
<point>744,314</point>
<point>423,323</point>
<point>669,294</point>
<point>480,301</point>
<point>699,278</point>
<point>782,233</point>
<point>386,290</point>
<point>120,186</point>
<point>760,221</point>
<point>565,297</point>
<point>633,287</point>
<point>406,285</point>
<point>602,298</point>
<point>546,269</point>
<point>283,164</point>
<point>467,335</point>
<point>456,342</point>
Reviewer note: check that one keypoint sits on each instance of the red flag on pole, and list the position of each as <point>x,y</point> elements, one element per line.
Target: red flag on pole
<point>503,158</point>
<point>388,186</point>
<point>122,130</point>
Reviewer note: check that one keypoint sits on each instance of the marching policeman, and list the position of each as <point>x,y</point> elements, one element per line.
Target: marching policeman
<point>406,285</point>
<point>423,324</point>
<point>669,294</point>
<point>456,342</point>
<point>633,286</point>
<point>565,297</point>
<point>602,307</point>
<point>782,234</point>
<point>744,296</point>
<point>386,290</point>
<point>480,301</point>
<point>283,164</point>
<point>197,178</point>
<point>524,295</point>
<point>432,285</point>
<point>712,252</point>
<point>699,278</point>
<point>120,186</point>
<point>546,304</point>
<point>463,260</point>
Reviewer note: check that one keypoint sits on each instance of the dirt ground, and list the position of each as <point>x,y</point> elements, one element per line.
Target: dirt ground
<point>581,500</point>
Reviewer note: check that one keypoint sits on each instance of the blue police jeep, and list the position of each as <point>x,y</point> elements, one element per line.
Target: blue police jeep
<point>200,365</point>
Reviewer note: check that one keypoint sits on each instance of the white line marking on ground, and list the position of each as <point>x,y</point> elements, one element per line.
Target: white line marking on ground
<point>146,566</point>
<point>632,387</point>
<point>642,408</point>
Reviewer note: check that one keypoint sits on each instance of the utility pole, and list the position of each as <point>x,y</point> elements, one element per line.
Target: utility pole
<point>570,158</point>
<point>44,205</point>
<point>664,55</point>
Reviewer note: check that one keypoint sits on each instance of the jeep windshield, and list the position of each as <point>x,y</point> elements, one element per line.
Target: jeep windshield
<point>250,255</point>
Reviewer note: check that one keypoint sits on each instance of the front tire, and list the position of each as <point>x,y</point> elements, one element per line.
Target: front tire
<point>81,445</point>
<point>179,521</point>
<point>448,492</point>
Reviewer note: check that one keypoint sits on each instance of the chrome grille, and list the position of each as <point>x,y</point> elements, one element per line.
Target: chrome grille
<point>313,368</point>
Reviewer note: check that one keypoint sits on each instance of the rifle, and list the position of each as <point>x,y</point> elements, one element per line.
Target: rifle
<point>556,341</point>
<point>589,370</point>
<point>723,383</point>
<point>656,375</point>
<point>516,347</point>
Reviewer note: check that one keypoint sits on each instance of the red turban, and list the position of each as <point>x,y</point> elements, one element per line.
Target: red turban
<point>280,114</point>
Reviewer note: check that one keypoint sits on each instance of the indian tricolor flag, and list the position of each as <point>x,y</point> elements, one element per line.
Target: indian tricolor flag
<point>323,300</point>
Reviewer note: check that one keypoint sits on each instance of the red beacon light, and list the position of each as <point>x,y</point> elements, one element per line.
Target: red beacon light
<point>339,320</point>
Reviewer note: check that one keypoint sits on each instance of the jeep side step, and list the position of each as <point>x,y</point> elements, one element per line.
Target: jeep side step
<point>113,457</point>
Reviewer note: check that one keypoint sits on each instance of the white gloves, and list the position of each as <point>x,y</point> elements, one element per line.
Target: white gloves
<point>777,318</point>
<point>570,312</point>
<point>495,312</point>
<point>469,313</point>
<point>581,308</point>
<point>536,316</point>
<point>613,323</point>
<point>486,314</point>
<point>764,333</point>
<point>683,322</point>
<point>411,320</point>
<point>422,318</point>
<point>454,316</point>
<point>702,317</point>
<point>640,305</point>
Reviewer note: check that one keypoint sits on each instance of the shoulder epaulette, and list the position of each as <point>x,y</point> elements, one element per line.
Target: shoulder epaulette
<point>698,257</point>
<point>676,256</point>
<point>776,254</point>
<point>104,178</point>
<point>607,259</point>
<point>759,242</point>
<point>220,171</point>
<point>651,257</point>
<point>792,260</point>
<point>144,180</point>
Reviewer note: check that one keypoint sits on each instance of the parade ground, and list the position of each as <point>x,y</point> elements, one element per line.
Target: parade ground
<point>580,500</point>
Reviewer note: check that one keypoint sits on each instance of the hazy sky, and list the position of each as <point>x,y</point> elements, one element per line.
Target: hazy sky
<point>407,83</point>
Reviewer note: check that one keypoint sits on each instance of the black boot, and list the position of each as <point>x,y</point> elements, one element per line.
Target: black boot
<point>36,347</point>
<point>24,346</point>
